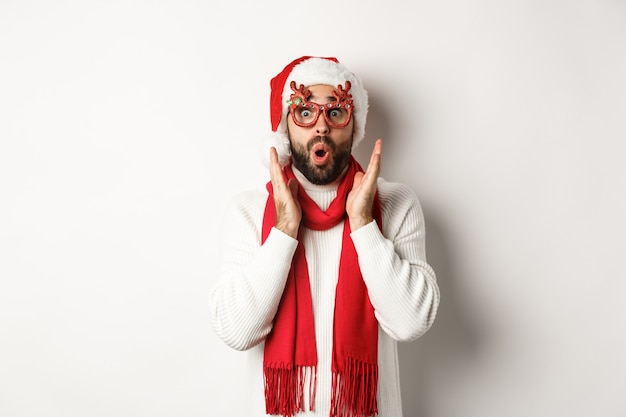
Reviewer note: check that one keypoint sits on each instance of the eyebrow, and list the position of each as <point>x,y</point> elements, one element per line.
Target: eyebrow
<point>313,98</point>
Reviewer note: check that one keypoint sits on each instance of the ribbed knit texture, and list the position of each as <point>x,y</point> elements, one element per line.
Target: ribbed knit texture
<point>400,283</point>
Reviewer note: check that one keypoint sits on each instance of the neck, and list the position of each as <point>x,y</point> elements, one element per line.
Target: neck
<point>323,195</point>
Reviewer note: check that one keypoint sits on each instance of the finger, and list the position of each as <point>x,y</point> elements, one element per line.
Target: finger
<point>378,147</point>
<point>276,171</point>
<point>376,155</point>
<point>273,155</point>
<point>373,168</point>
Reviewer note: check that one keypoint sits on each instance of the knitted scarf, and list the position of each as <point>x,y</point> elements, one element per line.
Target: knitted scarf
<point>290,356</point>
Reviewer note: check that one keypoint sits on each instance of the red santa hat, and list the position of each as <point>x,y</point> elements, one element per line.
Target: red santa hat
<point>308,70</point>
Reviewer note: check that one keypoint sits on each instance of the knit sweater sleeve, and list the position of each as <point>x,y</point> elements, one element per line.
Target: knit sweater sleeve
<point>251,277</point>
<point>401,285</point>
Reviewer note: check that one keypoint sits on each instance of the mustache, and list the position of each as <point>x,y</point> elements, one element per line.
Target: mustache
<point>321,139</point>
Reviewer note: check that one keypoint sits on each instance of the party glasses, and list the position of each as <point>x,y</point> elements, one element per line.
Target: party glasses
<point>305,113</point>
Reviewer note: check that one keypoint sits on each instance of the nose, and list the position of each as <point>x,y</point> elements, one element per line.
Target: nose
<point>321,126</point>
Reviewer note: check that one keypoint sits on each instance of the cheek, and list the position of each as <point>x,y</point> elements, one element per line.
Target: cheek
<point>346,134</point>
<point>294,132</point>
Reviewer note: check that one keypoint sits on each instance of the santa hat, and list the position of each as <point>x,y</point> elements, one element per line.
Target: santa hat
<point>309,71</point>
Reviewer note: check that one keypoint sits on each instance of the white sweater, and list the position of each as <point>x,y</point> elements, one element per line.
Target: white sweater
<point>401,285</point>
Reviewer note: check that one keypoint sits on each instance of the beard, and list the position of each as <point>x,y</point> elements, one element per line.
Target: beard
<point>327,173</point>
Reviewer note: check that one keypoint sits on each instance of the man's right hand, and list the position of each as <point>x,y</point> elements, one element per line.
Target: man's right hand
<point>288,210</point>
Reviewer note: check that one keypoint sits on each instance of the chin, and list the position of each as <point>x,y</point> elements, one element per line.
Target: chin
<point>321,175</point>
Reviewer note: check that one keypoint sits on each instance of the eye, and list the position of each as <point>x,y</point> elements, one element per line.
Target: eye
<point>305,113</point>
<point>335,113</point>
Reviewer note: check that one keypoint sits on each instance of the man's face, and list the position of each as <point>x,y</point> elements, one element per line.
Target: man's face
<point>320,152</point>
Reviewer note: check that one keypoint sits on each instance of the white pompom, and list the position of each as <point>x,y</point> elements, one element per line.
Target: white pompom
<point>278,141</point>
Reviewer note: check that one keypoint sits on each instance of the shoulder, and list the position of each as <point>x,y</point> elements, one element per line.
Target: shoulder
<point>395,195</point>
<point>248,199</point>
<point>400,206</point>
<point>246,207</point>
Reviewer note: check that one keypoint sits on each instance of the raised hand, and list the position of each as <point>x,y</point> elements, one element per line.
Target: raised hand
<point>288,210</point>
<point>361,198</point>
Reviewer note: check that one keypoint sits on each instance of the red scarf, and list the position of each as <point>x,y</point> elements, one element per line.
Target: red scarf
<point>290,352</point>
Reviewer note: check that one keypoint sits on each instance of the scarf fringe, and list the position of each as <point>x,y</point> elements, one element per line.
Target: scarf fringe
<point>285,388</point>
<point>354,390</point>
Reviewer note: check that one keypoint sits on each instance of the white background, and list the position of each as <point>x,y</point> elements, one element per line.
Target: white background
<point>125,126</point>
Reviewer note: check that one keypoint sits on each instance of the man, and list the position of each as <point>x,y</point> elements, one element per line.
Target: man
<point>324,272</point>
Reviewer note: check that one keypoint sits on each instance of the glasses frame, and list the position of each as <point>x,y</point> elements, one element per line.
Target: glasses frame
<point>299,99</point>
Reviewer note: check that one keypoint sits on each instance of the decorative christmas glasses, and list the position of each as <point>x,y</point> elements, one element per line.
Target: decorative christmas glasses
<point>305,113</point>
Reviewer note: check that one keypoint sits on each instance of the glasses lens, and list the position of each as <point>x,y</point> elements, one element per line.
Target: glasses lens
<point>305,115</point>
<point>337,116</point>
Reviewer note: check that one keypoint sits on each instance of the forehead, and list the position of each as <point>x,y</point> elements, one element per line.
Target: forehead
<point>321,93</point>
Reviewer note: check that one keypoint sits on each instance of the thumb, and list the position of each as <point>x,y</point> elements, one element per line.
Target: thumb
<point>358,178</point>
<point>293,187</point>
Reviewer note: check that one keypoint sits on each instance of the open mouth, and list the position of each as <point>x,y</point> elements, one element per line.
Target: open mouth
<point>320,153</point>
